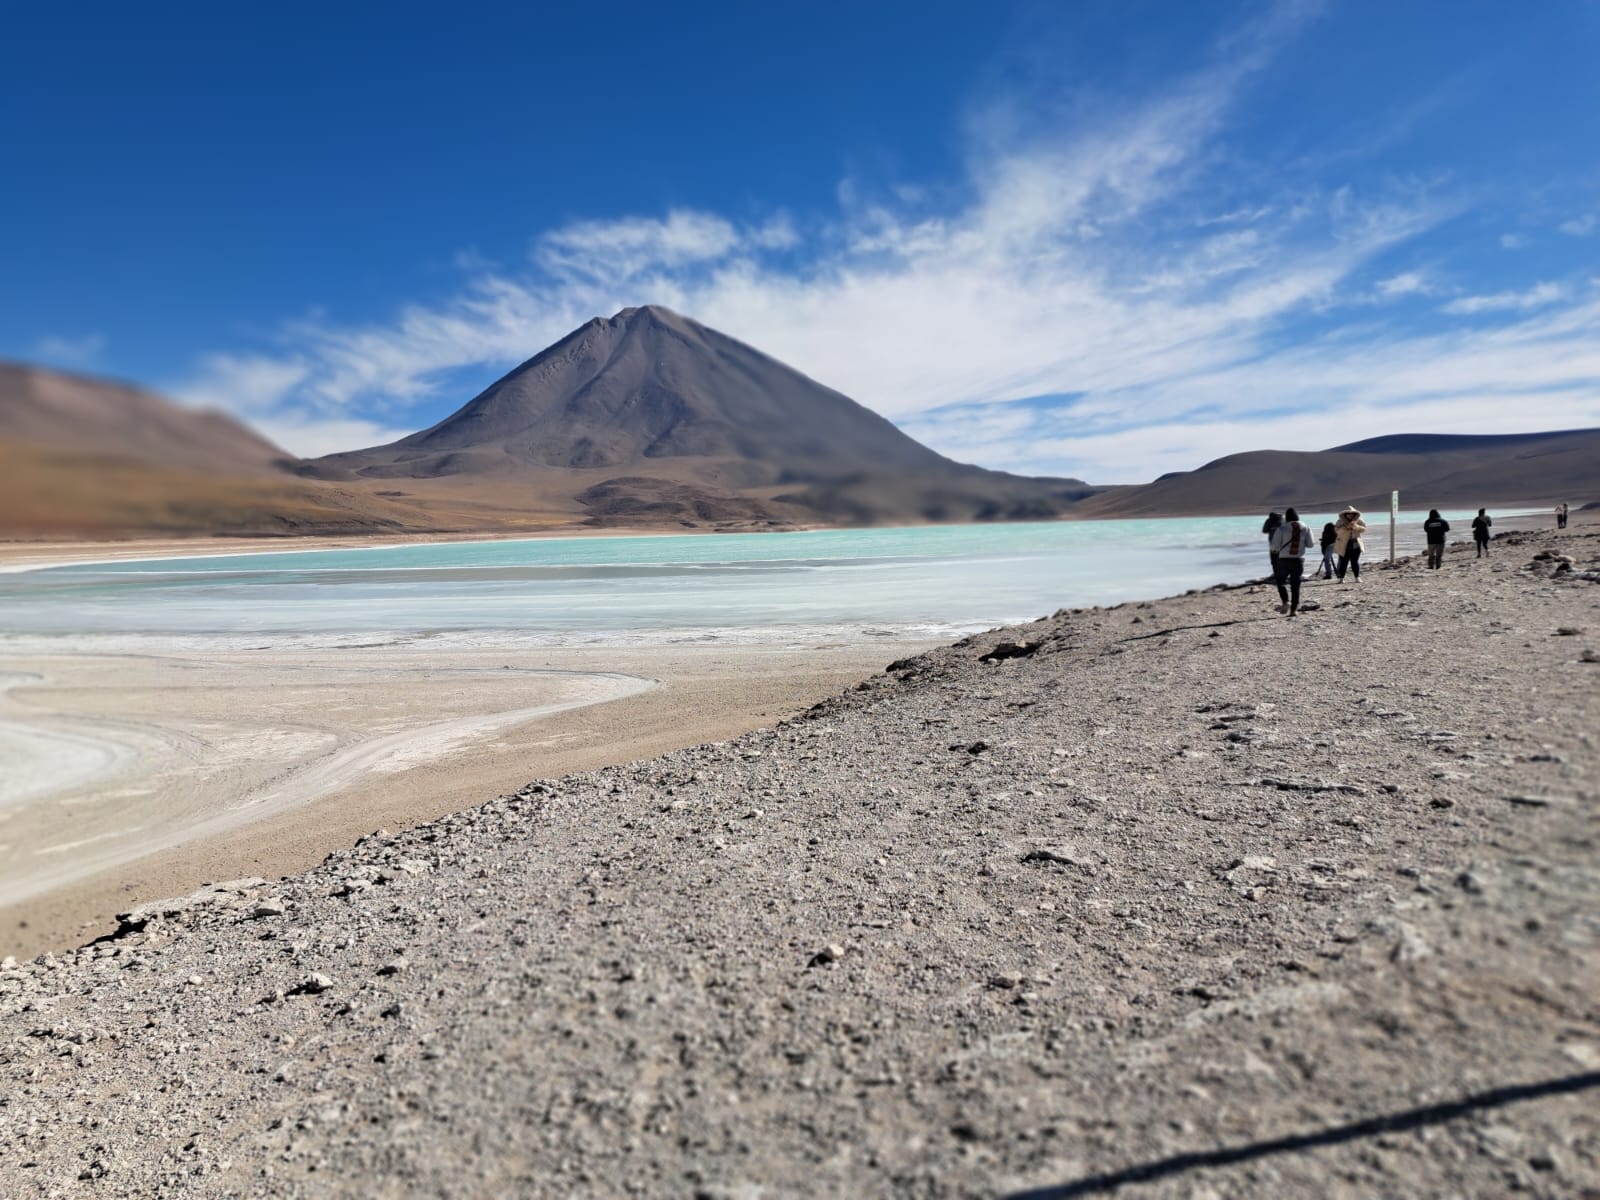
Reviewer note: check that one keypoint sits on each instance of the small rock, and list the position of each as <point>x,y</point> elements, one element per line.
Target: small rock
<point>1005,980</point>
<point>1004,650</point>
<point>831,953</point>
<point>1059,853</point>
<point>268,908</point>
<point>313,985</point>
<point>1567,631</point>
<point>395,967</point>
<point>1411,947</point>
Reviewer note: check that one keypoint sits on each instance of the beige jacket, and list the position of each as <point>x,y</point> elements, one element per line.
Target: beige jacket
<point>1348,528</point>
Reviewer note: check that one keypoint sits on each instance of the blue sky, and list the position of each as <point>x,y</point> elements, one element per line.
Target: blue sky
<point>1105,239</point>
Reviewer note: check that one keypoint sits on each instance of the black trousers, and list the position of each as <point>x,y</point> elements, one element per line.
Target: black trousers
<point>1288,575</point>
<point>1352,560</point>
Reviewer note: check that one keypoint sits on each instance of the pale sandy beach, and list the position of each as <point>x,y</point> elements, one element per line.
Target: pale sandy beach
<point>144,775</point>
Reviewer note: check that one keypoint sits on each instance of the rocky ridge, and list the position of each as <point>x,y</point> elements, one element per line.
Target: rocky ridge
<point>1181,898</point>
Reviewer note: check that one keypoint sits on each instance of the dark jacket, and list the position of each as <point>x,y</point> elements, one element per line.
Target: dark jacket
<point>1330,535</point>
<point>1436,528</point>
<point>1480,528</point>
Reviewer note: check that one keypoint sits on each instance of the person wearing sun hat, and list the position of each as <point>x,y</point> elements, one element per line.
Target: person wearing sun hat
<point>1347,541</point>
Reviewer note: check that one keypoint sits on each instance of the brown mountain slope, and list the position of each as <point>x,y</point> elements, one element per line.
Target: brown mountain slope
<point>652,417</point>
<point>1427,469</point>
<point>83,457</point>
<point>81,415</point>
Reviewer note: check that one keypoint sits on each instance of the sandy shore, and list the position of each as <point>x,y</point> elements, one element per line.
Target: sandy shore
<point>132,777</point>
<point>1172,899</point>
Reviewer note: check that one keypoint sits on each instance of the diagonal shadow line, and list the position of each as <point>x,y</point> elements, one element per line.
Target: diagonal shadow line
<point>1140,637</point>
<point>1414,1118</point>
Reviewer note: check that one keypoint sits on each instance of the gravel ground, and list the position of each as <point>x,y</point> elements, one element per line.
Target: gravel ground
<point>1173,899</point>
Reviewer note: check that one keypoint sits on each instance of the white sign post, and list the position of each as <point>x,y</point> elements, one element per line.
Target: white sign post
<point>1394,517</point>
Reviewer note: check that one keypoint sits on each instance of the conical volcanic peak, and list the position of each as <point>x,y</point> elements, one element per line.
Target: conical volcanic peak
<point>651,416</point>
<point>649,384</point>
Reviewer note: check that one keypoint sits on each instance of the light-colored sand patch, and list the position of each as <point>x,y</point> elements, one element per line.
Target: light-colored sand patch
<point>89,841</point>
<point>215,764</point>
<point>40,761</point>
<point>188,748</point>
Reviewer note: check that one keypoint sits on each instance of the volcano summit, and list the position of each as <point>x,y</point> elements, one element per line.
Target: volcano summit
<point>652,417</point>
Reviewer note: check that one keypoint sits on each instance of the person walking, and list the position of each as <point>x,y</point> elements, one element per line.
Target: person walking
<point>1270,527</point>
<point>1480,531</point>
<point>1330,535</point>
<point>1347,545</point>
<point>1290,542</point>
<point>1561,515</point>
<point>1435,527</point>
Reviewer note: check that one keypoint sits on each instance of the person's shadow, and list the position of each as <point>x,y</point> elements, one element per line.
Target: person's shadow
<point>1413,1118</point>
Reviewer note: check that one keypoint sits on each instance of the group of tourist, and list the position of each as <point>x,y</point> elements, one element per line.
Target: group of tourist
<point>1289,541</point>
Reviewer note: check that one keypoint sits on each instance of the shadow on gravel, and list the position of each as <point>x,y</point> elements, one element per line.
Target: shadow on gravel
<point>1413,1118</point>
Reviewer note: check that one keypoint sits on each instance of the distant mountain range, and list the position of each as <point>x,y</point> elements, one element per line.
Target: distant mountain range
<point>650,419</point>
<point>1428,470</point>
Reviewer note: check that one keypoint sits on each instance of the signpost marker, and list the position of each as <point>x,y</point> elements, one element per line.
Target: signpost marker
<point>1394,517</point>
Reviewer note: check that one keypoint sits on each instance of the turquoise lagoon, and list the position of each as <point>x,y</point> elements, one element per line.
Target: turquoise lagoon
<point>926,581</point>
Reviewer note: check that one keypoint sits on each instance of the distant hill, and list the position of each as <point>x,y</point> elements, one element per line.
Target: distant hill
<point>1429,470</point>
<point>84,457</point>
<point>650,417</point>
<point>53,410</point>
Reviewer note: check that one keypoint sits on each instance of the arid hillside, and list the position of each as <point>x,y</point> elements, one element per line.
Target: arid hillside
<point>1429,470</point>
<point>84,457</point>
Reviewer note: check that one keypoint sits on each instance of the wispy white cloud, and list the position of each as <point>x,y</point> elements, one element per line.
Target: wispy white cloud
<point>1538,296</point>
<point>1407,283</point>
<point>83,350</point>
<point>1513,241</point>
<point>311,436</point>
<point>251,385</point>
<point>1583,226</point>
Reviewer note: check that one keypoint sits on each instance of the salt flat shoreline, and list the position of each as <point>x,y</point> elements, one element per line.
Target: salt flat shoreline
<point>263,761</point>
<point>1058,909</point>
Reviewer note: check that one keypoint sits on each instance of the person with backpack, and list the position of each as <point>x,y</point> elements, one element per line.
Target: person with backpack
<point>1270,527</point>
<point>1347,541</point>
<point>1480,531</point>
<point>1290,543</point>
<point>1330,535</point>
<point>1435,527</point>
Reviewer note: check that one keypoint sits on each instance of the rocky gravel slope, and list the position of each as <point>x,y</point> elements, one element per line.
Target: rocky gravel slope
<point>1177,899</point>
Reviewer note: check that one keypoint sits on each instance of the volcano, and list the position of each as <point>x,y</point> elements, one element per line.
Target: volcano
<point>652,417</point>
